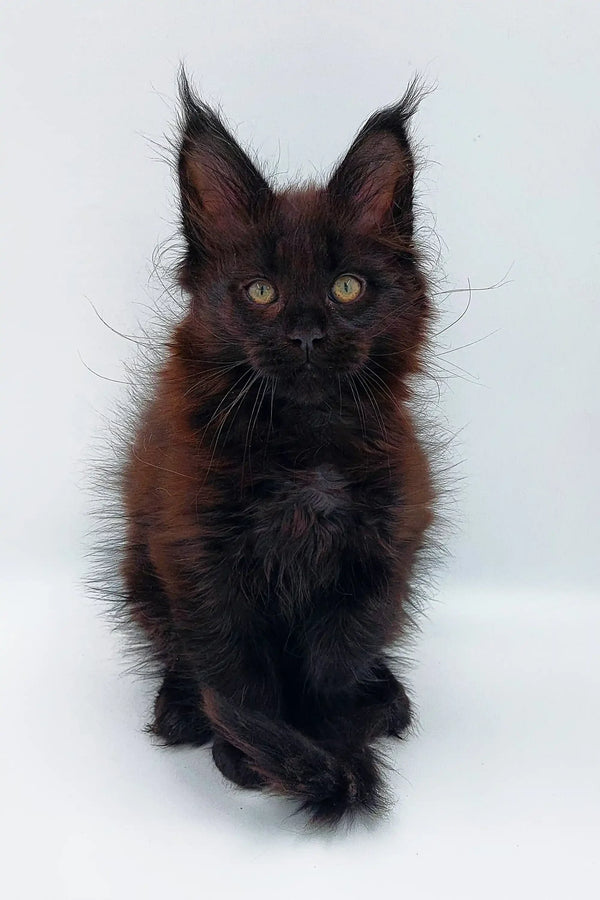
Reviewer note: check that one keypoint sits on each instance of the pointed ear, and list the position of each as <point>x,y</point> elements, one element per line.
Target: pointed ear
<point>222,191</point>
<point>373,184</point>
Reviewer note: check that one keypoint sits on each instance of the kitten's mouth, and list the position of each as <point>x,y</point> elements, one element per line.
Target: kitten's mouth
<point>308,369</point>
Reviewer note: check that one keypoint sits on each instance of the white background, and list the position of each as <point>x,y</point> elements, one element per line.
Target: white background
<point>498,793</point>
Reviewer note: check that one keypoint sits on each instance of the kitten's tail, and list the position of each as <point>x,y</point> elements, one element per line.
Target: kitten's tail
<point>329,786</point>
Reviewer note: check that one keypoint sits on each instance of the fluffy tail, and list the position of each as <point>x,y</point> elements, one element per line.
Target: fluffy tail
<point>329,786</point>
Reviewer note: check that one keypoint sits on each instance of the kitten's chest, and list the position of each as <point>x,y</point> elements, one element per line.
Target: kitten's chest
<point>311,515</point>
<point>323,490</point>
<point>299,508</point>
<point>294,501</point>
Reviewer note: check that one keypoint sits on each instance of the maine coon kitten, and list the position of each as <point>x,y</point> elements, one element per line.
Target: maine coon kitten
<point>276,495</point>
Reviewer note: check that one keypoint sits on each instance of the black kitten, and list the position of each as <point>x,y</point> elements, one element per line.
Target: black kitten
<point>276,494</point>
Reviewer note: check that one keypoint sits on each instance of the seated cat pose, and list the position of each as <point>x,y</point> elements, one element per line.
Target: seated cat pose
<point>276,495</point>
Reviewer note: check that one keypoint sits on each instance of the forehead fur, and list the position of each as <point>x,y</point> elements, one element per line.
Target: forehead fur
<point>300,229</point>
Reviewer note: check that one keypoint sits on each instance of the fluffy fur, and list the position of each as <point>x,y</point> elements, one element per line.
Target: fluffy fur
<point>276,496</point>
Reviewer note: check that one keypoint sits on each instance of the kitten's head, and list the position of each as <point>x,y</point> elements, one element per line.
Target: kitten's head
<point>313,283</point>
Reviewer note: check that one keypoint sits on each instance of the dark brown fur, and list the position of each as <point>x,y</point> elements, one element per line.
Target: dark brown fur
<point>275,509</point>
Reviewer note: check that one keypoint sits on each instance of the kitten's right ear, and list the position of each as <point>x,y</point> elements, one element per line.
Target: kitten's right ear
<point>372,187</point>
<point>222,191</point>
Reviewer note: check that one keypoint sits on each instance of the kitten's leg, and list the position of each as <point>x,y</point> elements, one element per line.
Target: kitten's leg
<point>226,657</point>
<point>359,696</point>
<point>232,653</point>
<point>178,715</point>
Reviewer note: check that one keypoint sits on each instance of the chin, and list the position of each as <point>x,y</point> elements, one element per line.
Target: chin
<point>308,386</point>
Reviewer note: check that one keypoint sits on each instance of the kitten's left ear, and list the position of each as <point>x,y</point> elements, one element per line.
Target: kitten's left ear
<point>373,184</point>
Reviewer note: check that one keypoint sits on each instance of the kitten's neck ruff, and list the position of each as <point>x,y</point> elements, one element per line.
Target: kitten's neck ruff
<point>324,433</point>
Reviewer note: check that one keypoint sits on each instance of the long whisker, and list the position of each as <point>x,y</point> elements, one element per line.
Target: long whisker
<point>462,315</point>
<point>223,398</point>
<point>252,422</point>
<point>358,404</point>
<point>273,386</point>
<point>213,376</point>
<point>98,375</point>
<point>470,290</point>
<point>362,377</point>
<point>237,402</point>
<point>382,386</point>
<point>127,337</point>
<point>375,403</point>
<point>470,344</point>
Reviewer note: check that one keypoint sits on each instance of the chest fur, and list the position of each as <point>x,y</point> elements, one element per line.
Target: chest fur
<point>307,525</point>
<point>299,506</point>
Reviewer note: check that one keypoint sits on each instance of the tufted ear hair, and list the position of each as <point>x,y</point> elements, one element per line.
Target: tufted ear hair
<point>222,192</point>
<point>373,184</point>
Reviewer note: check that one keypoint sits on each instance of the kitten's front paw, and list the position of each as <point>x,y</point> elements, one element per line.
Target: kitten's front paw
<point>178,718</point>
<point>394,713</point>
<point>232,763</point>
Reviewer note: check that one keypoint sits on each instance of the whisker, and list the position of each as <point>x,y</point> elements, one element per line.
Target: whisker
<point>237,402</point>
<point>212,376</point>
<point>252,422</point>
<point>470,344</point>
<point>127,337</point>
<point>358,404</point>
<point>98,375</point>
<point>273,386</point>
<point>223,398</point>
<point>471,290</point>
<point>362,378</point>
<point>383,386</point>
<point>462,315</point>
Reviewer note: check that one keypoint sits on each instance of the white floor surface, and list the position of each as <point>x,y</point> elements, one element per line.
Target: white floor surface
<point>497,792</point>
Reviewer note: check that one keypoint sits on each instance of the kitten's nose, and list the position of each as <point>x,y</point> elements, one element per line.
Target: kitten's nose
<point>306,338</point>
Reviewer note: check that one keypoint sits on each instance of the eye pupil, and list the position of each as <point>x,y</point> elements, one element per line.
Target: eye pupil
<point>261,292</point>
<point>347,288</point>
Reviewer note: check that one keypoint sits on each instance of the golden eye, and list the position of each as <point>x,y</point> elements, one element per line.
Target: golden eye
<point>261,292</point>
<point>346,289</point>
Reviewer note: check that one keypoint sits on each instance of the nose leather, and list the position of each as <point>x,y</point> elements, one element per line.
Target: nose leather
<point>306,338</point>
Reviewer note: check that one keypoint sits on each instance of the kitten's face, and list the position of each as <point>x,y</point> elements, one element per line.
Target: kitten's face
<point>306,302</point>
<point>311,285</point>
